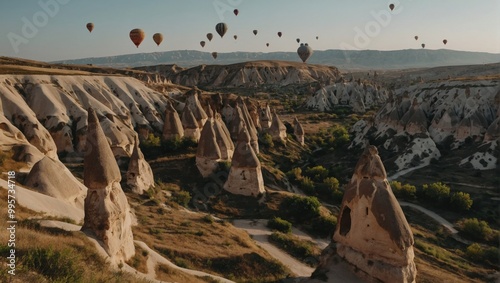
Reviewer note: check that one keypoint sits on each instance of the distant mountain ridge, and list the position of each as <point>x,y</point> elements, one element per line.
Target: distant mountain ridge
<point>343,59</point>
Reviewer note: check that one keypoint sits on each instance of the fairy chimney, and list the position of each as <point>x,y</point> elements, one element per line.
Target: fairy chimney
<point>139,174</point>
<point>265,117</point>
<point>254,113</point>
<point>208,152</point>
<point>107,212</point>
<point>252,130</point>
<point>372,233</point>
<point>193,103</point>
<point>298,131</point>
<point>223,138</point>
<point>191,126</point>
<point>172,127</point>
<point>277,129</point>
<point>245,175</point>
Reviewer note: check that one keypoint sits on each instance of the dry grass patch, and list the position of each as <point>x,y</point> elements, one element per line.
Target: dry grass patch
<point>168,274</point>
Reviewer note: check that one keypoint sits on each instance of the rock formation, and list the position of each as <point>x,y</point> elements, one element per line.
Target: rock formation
<point>227,112</point>
<point>266,117</point>
<point>172,126</point>
<point>254,113</point>
<point>139,174</point>
<point>52,178</point>
<point>252,130</point>
<point>107,213</point>
<point>298,131</point>
<point>193,102</point>
<point>372,233</point>
<point>208,153</point>
<point>223,138</point>
<point>191,126</point>
<point>278,129</point>
<point>245,175</point>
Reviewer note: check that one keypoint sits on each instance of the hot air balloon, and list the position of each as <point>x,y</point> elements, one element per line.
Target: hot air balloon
<point>137,36</point>
<point>236,12</point>
<point>221,29</point>
<point>298,40</point>
<point>90,27</point>
<point>267,44</point>
<point>317,37</point>
<point>304,51</point>
<point>391,7</point>
<point>445,41</point>
<point>202,43</point>
<point>214,54</point>
<point>255,31</point>
<point>210,36</point>
<point>423,45</point>
<point>235,37</point>
<point>416,37</point>
<point>158,38</point>
<point>279,33</point>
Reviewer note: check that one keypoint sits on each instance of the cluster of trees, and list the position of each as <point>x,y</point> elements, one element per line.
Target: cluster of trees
<point>317,181</point>
<point>332,138</point>
<point>435,193</point>
<point>153,145</point>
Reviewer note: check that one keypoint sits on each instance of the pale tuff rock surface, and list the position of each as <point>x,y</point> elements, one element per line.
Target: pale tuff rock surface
<point>190,125</point>
<point>427,115</point>
<point>208,152</point>
<point>277,129</point>
<point>50,110</point>
<point>223,138</point>
<point>298,131</point>
<point>245,175</point>
<point>254,114</point>
<point>172,126</point>
<point>52,178</point>
<point>254,74</point>
<point>252,130</point>
<point>107,212</point>
<point>193,102</point>
<point>372,233</point>
<point>359,96</point>
<point>227,112</point>
<point>266,117</point>
<point>139,174</point>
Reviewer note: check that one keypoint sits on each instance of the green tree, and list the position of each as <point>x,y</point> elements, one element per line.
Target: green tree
<point>476,229</point>
<point>317,173</point>
<point>301,208</point>
<point>461,201</point>
<point>332,183</point>
<point>436,192</point>
<point>279,224</point>
<point>307,185</point>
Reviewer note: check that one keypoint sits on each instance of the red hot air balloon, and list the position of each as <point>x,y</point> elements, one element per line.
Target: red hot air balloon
<point>279,33</point>
<point>158,38</point>
<point>221,29</point>
<point>137,36</point>
<point>214,54</point>
<point>445,41</point>
<point>90,27</point>
<point>255,32</point>
<point>391,6</point>
<point>202,43</point>
<point>210,36</point>
<point>236,12</point>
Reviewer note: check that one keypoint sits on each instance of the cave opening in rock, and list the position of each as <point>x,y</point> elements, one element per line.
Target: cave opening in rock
<point>345,221</point>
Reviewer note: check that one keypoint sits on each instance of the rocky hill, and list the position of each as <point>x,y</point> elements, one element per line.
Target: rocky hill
<point>344,59</point>
<point>420,121</point>
<point>247,75</point>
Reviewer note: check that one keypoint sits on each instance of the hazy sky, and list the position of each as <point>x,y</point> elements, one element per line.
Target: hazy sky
<point>55,29</point>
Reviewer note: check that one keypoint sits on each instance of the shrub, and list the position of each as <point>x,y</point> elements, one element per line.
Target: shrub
<point>461,201</point>
<point>295,174</point>
<point>303,250</point>
<point>476,252</point>
<point>405,191</point>
<point>332,183</point>
<point>317,173</point>
<point>307,185</point>
<point>324,225</point>
<point>280,225</point>
<point>436,192</point>
<point>479,230</point>
<point>181,197</point>
<point>266,140</point>
<point>151,141</point>
<point>301,208</point>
